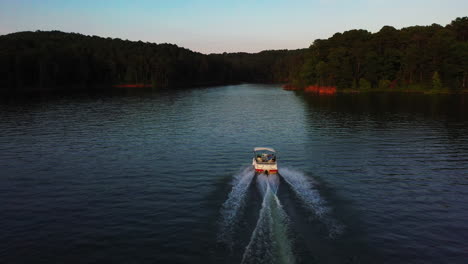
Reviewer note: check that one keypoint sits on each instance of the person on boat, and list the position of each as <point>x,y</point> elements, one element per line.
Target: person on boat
<point>259,158</point>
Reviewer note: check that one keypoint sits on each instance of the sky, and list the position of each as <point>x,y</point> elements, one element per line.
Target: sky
<point>216,26</point>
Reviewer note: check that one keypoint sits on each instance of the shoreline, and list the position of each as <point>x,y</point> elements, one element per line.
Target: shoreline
<point>331,90</point>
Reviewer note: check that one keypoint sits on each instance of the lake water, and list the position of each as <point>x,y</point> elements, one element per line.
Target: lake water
<point>164,177</point>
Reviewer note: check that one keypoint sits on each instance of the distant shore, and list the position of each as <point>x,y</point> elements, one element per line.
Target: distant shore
<point>330,90</point>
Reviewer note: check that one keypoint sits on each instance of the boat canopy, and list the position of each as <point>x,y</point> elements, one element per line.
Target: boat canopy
<point>261,148</point>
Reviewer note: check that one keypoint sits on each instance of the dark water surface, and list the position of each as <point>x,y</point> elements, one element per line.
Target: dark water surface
<point>164,177</point>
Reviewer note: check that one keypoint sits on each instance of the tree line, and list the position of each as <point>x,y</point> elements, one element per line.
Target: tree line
<point>420,56</point>
<point>54,60</point>
<point>425,57</point>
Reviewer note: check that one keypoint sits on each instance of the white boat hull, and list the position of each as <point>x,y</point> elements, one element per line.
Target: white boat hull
<point>265,167</point>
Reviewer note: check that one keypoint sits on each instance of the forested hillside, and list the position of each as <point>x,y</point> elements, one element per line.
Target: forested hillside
<point>420,57</point>
<point>64,61</point>
<point>57,60</point>
<point>277,66</point>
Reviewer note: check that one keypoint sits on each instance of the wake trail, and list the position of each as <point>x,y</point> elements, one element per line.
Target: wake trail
<point>232,207</point>
<point>269,242</point>
<point>263,182</point>
<point>312,200</point>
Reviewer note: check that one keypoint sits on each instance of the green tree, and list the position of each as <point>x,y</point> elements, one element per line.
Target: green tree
<point>364,84</point>
<point>436,82</point>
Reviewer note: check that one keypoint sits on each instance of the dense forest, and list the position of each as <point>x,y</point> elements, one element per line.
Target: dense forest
<point>31,61</point>
<point>423,57</point>
<point>418,57</point>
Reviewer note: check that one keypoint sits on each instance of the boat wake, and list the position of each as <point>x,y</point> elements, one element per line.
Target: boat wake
<point>312,200</point>
<point>264,182</point>
<point>270,242</point>
<point>231,208</point>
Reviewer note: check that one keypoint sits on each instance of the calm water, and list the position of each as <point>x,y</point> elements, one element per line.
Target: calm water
<point>164,177</point>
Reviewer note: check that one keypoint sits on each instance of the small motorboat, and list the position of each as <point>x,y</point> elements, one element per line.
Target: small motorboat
<point>264,160</point>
